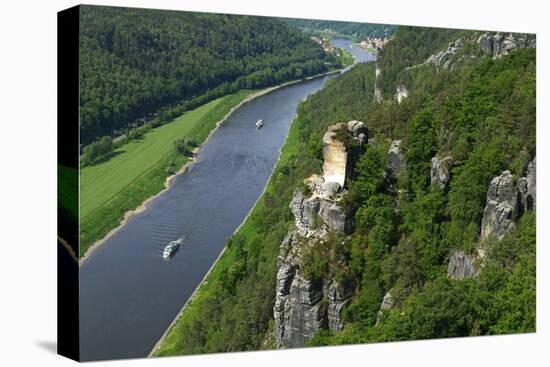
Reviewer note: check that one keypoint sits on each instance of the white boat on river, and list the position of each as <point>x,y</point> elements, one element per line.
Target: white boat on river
<point>171,249</point>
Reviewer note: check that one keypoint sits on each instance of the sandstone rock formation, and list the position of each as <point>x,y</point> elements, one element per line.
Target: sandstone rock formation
<point>443,60</point>
<point>304,306</point>
<point>462,266</point>
<point>298,313</point>
<point>440,173</point>
<point>338,295</point>
<point>499,44</point>
<point>502,206</point>
<point>505,203</point>
<point>387,303</point>
<point>396,160</point>
<point>531,197</point>
<point>335,156</point>
<point>377,91</point>
<point>359,131</point>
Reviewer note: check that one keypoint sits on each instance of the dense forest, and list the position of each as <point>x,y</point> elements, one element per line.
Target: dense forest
<point>358,31</point>
<point>411,46</point>
<point>135,61</point>
<point>482,114</point>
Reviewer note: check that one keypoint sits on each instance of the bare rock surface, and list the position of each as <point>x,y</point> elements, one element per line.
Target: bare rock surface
<point>499,44</point>
<point>440,173</point>
<point>462,266</point>
<point>387,304</point>
<point>502,204</point>
<point>304,306</point>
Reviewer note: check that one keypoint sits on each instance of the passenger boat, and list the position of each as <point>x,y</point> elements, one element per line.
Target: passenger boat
<point>171,249</point>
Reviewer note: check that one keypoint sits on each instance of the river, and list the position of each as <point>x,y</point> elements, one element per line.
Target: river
<point>128,293</point>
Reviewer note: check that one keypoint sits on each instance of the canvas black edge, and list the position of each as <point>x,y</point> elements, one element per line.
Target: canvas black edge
<point>68,341</point>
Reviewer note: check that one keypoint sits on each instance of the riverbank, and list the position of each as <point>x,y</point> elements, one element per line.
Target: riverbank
<point>139,170</point>
<point>267,221</point>
<point>127,214</point>
<point>207,288</point>
<point>158,345</point>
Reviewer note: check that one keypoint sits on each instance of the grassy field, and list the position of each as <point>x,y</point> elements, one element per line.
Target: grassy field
<point>138,169</point>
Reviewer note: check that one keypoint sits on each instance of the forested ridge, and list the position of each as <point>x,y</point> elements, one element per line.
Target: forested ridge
<point>482,114</point>
<point>135,61</point>
<point>352,29</point>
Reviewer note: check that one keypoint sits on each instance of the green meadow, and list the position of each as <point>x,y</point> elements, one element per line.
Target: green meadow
<point>138,169</point>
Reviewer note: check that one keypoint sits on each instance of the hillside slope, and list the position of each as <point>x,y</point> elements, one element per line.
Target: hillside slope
<point>433,233</point>
<point>134,61</point>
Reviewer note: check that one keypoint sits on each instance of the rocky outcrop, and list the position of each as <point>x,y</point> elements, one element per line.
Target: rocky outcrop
<point>304,306</point>
<point>338,294</point>
<point>444,60</point>
<point>531,196</point>
<point>377,91</point>
<point>319,213</point>
<point>506,202</point>
<point>297,310</point>
<point>334,218</point>
<point>335,154</point>
<point>396,160</point>
<point>502,207</point>
<point>358,131</point>
<point>462,266</point>
<point>498,44</point>
<point>401,92</point>
<point>440,173</point>
<point>387,303</point>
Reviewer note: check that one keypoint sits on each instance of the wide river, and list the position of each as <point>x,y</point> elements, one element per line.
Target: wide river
<point>128,294</point>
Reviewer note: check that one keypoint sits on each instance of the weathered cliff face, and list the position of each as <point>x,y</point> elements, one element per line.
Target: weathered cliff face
<point>462,266</point>
<point>499,217</point>
<point>388,302</point>
<point>396,161</point>
<point>358,131</point>
<point>444,60</point>
<point>304,306</point>
<point>338,295</point>
<point>317,214</point>
<point>297,312</point>
<point>502,206</point>
<point>506,201</point>
<point>499,44</point>
<point>335,156</point>
<point>440,173</point>
<point>527,188</point>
